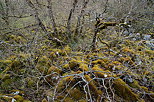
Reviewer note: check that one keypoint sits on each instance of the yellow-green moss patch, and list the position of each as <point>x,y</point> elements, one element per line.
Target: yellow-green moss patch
<point>122,89</point>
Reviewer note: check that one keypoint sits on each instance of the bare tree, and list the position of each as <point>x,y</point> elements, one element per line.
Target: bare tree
<point>36,15</point>
<point>80,23</point>
<point>51,16</point>
<point>70,18</point>
<point>42,26</point>
<point>4,11</point>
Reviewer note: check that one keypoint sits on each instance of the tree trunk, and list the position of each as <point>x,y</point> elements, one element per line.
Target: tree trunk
<point>79,23</point>
<point>51,16</point>
<point>42,26</point>
<point>69,19</point>
<point>6,16</point>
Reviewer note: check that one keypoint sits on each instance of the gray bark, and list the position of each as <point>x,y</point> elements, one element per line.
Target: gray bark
<point>51,16</point>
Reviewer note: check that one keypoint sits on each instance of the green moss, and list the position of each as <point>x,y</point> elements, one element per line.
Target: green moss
<point>27,101</point>
<point>97,68</point>
<point>67,50</point>
<point>151,94</point>
<point>69,79</point>
<point>100,61</point>
<point>54,69</point>
<point>76,94</point>
<point>43,64</point>
<point>100,72</point>
<point>124,91</point>
<point>115,65</point>
<point>7,61</point>
<point>66,80</point>
<point>76,65</point>
<point>83,100</point>
<point>52,73</point>
<point>126,59</point>
<point>68,99</point>
<point>52,55</point>
<point>67,66</point>
<point>30,82</point>
<point>57,52</point>
<point>43,60</point>
<point>16,64</point>
<point>6,98</point>
<point>44,100</point>
<point>135,84</point>
<point>18,98</point>
<point>4,76</point>
<point>6,84</point>
<point>127,50</point>
<point>150,52</point>
<point>83,67</point>
<point>59,97</point>
<point>92,84</point>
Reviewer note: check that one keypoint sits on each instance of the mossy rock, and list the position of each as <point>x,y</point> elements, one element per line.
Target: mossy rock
<point>93,88</point>
<point>52,74</point>
<point>54,69</point>
<point>6,61</point>
<point>43,60</point>
<point>44,100</point>
<point>18,98</point>
<point>149,52</point>
<point>76,65</point>
<point>60,52</point>
<point>128,50</point>
<point>67,50</point>
<point>6,84</point>
<point>101,73</point>
<point>4,76</point>
<point>135,84</point>
<point>27,101</point>
<point>64,81</point>
<point>17,91</point>
<point>100,61</point>
<point>2,100</point>
<point>115,65</point>
<point>83,100</point>
<point>122,89</point>
<point>43,64</point>
<point>83,67</point>
<point>68,99</point>
<point>126,60</point>
<point>30,82</point>
<point>64,99</point>
<point>76,94</point>
<point>16,64</point>
<point>5,98</point>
